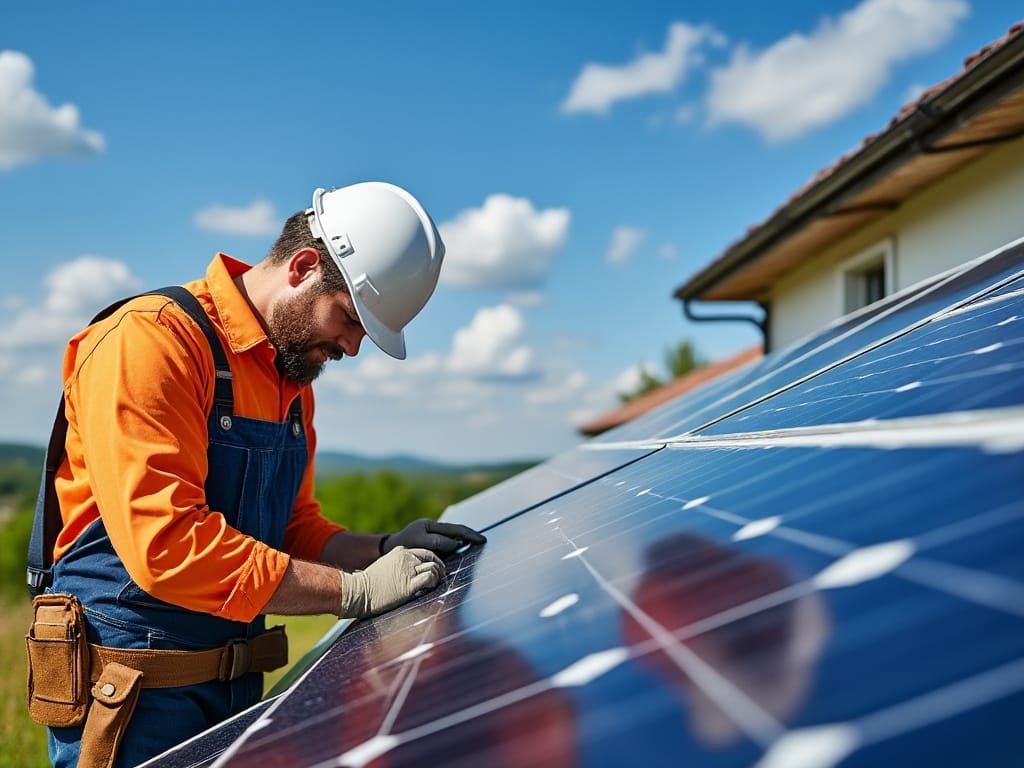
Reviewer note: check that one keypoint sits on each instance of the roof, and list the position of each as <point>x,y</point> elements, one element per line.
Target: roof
<point>949,125</point>
<point>690,381</point>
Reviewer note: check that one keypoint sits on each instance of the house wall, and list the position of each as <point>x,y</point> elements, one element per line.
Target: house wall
<point>970,212</point>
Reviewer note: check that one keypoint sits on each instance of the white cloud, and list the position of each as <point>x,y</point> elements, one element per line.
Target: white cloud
<point>489,346</point>
<point>75,291</point>
<point>685,114</point>
<point>505,244</point>
<point>602,397</point>
<point>30,127</point>
<point>599,86</point>
<point>625,241</point>
<point>526,298</point>
<point>559,390</point>
<point>256,219</point>
<point>487,351</point>
<point>33,336</point>
<point>913,92</point>
<point>629,379</point>
<point>805,81</point>
<point>468,404</point>
<point>667,251</point>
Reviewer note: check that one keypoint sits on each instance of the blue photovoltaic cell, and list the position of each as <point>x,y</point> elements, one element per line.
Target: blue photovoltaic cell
<point>204,749</point>
<point>699,607</point>
<point>847,337</point>
<point>1010,287</point>
<point>966,360</point>
<point>536,485</point>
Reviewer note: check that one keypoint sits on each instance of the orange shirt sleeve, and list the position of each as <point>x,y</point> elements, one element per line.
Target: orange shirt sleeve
<point>137,404</point>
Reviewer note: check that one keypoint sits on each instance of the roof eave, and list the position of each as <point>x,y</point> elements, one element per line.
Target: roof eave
<point>987,82</point>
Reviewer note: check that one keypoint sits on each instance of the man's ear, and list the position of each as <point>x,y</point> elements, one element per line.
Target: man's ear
<point>303,265</point>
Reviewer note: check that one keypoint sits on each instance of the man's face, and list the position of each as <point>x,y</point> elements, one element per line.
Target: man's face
<point>309,328</point>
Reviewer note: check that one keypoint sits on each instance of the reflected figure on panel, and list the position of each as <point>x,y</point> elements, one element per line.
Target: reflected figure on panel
<point>419,676</point>
<point>718,602</point>
<point>455,671</point>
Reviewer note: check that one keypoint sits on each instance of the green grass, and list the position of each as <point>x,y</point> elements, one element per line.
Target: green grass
<point>23,743</point>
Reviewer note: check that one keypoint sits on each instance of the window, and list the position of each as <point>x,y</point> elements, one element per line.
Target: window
<point>866,277</point>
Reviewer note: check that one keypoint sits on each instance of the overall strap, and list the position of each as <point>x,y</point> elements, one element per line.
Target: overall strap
<point>47,523</point>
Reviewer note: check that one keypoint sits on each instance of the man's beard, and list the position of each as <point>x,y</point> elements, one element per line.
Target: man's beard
<point>290,330</point>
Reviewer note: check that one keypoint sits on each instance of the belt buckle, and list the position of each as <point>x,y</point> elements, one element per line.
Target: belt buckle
<point>238,661</point>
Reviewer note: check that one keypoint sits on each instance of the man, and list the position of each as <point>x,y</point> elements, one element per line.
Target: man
<point>186,491</point>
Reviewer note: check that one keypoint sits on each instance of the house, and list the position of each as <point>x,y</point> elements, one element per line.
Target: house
<point>943,182</point>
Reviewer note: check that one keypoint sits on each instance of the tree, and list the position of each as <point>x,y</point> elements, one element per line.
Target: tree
<point>679,361</point>
<point>683,359</point>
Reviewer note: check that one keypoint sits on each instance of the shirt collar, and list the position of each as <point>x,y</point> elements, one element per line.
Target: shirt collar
<point>240,323</point>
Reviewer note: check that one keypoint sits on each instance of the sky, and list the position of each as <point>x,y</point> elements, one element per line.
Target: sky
<point>582,160</point>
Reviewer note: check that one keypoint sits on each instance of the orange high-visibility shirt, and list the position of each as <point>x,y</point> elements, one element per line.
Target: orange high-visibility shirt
<point>139,390</point>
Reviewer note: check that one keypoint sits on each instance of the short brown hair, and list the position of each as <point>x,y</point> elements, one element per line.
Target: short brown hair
<point>294,237</point>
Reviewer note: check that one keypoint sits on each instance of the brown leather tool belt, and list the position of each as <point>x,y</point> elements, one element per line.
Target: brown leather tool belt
<point>171,669</point>
<point>62,665</point>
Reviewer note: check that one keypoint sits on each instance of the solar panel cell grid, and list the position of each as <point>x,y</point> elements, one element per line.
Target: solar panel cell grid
<point>858,333</point>
<point>538,484</point>
<point>681,602</point>
<point>969,359</point>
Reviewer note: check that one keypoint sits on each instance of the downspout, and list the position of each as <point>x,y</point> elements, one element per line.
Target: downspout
<point>763,325</point>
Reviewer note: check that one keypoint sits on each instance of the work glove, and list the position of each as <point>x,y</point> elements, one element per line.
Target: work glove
<point>442,538</point>
<point>389,582</point>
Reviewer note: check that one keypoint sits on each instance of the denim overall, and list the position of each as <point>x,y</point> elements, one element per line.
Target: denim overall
<point>255,469</point>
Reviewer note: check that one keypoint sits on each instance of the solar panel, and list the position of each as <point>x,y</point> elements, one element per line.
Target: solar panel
<point>526,490</point>
<point>814,563</point>
<point>966,359</point>
<point>847,337</point>
<point>202,750</point>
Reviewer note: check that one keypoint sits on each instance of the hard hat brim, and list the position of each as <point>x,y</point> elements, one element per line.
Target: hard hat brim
<point>388,341</point>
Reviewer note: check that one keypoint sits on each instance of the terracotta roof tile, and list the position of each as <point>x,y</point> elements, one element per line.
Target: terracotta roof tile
<point>905,111</point>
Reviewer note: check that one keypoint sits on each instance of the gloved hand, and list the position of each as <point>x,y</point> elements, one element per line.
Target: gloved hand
<point>443,538</point>
<point>389,582</point>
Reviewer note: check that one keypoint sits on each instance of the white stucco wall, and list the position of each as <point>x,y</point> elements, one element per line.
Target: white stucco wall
<point>970,212</point>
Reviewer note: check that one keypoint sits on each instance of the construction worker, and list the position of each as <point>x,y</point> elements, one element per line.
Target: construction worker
<point>186,487</point>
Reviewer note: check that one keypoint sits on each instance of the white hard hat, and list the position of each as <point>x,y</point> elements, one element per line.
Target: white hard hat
<point>388,250</point>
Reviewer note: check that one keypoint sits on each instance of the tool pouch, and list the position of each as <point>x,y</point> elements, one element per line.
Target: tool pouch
<point>58,662</point>
<point>113,702</point>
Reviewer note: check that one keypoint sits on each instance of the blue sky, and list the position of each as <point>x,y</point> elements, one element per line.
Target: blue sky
<point>581,159</point>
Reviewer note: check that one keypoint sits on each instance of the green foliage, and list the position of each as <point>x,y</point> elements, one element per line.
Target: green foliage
<point>22,742</point>
<point>679,361</point>
<point>18,478</point>
<point>14,536</point>
<point>682,359</point>
<point>370,503</point>
<point>387,501</point>
<point>18,485</point>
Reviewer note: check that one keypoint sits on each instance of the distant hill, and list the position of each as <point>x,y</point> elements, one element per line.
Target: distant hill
<point>18,453</point>
<point>327,462</point>
<point>334,462</point>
